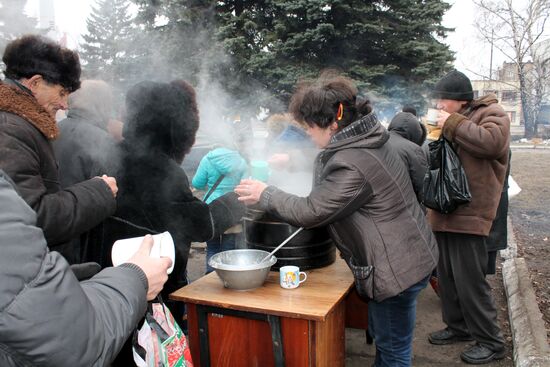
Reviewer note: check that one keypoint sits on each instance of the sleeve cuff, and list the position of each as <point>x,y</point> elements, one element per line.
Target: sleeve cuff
<point>265,198</point>
<point>449,129</point>
<point>140,272</point>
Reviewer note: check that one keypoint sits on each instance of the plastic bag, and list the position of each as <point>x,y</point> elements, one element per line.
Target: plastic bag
<point>445,183</point>
<point>513,187</point>
<point>160,342</point>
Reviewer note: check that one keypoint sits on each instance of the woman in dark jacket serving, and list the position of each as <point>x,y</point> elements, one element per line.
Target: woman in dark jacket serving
<point>363,193</point>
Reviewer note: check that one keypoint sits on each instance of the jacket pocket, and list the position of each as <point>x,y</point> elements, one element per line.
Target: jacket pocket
<point>364,280</point>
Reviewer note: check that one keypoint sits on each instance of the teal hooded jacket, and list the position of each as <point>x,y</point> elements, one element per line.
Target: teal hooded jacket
<point>220,161</point>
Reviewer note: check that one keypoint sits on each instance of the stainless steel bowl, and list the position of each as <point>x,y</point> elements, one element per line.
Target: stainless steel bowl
<point>241,269</point>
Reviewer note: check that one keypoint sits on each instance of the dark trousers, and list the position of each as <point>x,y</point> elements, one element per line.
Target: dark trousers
<point>466,300</point>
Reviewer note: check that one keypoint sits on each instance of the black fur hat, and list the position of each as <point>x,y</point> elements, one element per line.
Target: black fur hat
<point>455,85</point>
<point>36,55</point>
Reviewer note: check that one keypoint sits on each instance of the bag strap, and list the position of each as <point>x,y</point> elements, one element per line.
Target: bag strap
<point>213,187</point>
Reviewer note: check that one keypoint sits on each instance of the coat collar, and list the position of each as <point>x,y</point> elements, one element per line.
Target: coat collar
<point>21,103</point>
<point>366,132</point>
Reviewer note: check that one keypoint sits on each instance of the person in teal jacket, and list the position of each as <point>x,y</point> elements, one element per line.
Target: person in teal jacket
<point>230,164</point>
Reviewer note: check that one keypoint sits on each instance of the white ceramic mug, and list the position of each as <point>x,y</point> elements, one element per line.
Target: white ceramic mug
<point>163,246</point>
<point>289,276</point>
<point>431,116</point>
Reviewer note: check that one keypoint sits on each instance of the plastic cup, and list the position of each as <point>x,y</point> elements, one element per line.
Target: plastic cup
<point>163,246</point>
<point>431,116</point>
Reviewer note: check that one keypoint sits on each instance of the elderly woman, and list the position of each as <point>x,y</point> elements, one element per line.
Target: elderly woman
<point>363,193</point>
<point>40,74</point>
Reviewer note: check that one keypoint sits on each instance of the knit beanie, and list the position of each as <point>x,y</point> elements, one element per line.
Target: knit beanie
<point>455,85</point>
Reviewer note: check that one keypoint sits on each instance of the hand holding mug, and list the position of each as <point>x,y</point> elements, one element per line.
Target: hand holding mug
<point>442,117</point>
<point>155,269</point>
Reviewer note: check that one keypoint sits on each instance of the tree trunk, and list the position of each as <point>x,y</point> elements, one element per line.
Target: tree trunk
<point>526,111</point>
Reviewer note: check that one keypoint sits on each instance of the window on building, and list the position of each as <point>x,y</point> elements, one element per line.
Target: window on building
<point>509,95</point>
<point>476,94</point>
<point>512,115</point>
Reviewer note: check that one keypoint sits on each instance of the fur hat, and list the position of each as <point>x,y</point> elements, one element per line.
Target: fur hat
<point>454,85</point>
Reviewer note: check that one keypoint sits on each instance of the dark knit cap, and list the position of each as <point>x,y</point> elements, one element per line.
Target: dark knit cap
<point>455,86</point>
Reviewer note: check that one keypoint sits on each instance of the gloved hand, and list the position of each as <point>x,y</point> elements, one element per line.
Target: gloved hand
<point>85,270</point>
<point>226,211</point>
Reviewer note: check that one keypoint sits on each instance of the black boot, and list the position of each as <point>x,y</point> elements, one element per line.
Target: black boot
<point>479,354</point>
<point>447,336</point>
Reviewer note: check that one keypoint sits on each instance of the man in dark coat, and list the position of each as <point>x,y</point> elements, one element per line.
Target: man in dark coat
<point>498,236</point>
<point>406,138</point>
<point>84,145</point>
<point>479,131</point>
<point>39,77</point>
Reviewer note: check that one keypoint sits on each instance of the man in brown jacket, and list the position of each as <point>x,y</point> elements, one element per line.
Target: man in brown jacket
<point>479,130</point>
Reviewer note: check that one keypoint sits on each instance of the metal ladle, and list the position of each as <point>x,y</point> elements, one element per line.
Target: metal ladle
<point>282,244</point>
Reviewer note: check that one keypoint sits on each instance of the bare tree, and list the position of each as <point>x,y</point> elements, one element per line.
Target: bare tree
<point>515,32</point>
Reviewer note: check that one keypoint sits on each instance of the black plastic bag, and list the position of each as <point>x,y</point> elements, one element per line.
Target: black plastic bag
<point>445,183</point>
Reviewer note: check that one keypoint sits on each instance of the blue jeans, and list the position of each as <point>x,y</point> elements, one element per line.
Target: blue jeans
<point>224,242</point>
<point>391,324</point>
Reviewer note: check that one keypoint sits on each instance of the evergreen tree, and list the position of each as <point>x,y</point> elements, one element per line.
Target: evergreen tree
<point>259,49</point>
<point>108,49</point>
<point>389,47</point>
<point>14,22</point>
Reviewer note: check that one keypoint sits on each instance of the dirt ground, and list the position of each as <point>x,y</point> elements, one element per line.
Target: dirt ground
<point>530,214</point>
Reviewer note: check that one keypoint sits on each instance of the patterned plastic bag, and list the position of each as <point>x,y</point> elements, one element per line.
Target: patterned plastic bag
<point>160,342</point>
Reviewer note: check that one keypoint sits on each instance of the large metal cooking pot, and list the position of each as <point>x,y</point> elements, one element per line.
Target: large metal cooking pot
<point>311,248</point>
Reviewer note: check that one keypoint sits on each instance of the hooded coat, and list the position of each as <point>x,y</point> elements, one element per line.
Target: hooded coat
<point>480,134</point>
<point>363,193</point>
<point>83,146</point>
<point>48,318</point>
<point>27,156</point>
<point>220,161</point>
<point>406,138</point>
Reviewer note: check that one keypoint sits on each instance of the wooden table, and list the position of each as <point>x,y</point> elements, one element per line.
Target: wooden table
<point>269,326</point>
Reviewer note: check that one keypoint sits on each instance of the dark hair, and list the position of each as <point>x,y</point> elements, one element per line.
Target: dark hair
<point>317,102</point>
<point>162,117</point>
<point>31,55</point>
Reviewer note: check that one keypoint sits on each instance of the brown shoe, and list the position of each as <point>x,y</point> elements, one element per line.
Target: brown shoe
<point>447,336</point>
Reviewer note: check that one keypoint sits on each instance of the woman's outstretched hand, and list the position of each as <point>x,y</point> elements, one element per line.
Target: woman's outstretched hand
<point>249,191</point>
